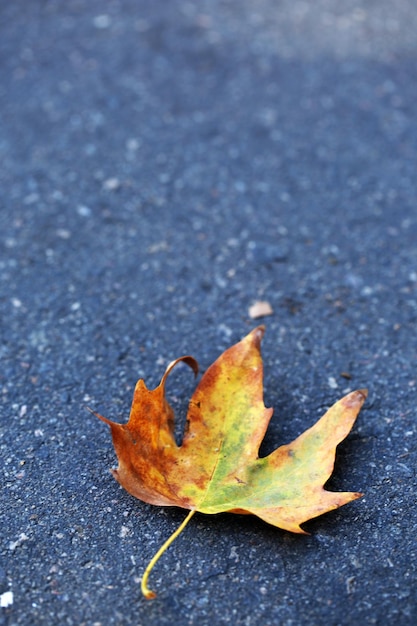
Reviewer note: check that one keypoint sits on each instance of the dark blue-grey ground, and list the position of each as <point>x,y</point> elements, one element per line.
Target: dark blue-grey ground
<point>163,166</point>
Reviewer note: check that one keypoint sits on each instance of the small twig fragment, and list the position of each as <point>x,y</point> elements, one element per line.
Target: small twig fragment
<point>261,308</point>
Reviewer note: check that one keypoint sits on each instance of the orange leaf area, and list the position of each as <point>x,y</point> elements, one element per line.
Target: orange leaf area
<point>217,467</point>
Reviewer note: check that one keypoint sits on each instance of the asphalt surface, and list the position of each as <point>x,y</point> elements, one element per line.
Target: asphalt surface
<point>163,165</point>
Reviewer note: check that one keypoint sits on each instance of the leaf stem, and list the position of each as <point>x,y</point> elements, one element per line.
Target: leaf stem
<point>148,593</point>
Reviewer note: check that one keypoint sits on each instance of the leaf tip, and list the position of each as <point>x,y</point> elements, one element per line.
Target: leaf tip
<point>356,398</point>
<point>257,334</point>
<point>188,360</point>
<point>100,417</point>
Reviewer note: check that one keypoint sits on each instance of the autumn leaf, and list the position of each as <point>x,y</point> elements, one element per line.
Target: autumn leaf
<point>217,467</point>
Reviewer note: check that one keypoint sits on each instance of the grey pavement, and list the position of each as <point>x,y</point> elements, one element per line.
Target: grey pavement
<point>164,165</point>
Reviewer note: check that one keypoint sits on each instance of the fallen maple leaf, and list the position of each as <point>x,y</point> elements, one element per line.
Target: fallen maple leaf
<point>217,468</point>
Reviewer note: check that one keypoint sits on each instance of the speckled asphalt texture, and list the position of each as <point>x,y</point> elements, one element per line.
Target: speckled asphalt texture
<point>163,165</point>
